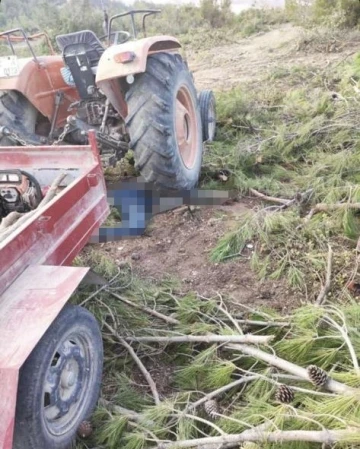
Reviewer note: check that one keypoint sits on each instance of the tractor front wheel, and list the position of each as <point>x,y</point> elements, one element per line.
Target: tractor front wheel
<point>60,382</point>
<point>164,123</point>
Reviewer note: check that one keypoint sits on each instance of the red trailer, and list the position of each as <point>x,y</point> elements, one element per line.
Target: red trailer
<point>50,352</point>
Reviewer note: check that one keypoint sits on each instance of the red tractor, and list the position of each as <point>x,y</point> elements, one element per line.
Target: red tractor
<point>97,102</point>
<point>136,94</point>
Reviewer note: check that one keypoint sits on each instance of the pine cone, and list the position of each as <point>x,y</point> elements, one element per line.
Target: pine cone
<point>211,408</point>
<point>285,394</point>
<point>317,375</point>
<point>85,429</point>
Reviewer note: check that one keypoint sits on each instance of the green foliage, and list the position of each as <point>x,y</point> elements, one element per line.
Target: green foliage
<point>312,336</point>
<point>255,20</point>
<point>112,431</point>
<point>216,13</point>
<point>340,13</point>
<point>283,139</point>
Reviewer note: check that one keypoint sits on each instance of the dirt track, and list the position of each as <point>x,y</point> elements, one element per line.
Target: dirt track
<point>178,244</point>
<point>248,60</point>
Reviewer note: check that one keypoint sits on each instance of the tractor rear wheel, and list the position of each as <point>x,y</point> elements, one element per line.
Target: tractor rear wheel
<point>16,113</point>
<point>164,123</point>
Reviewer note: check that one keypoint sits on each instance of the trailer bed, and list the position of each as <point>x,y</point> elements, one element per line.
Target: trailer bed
<point>36,280</point>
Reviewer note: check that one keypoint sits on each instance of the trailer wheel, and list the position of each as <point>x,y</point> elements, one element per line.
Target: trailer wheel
<point>208,115</point>
<point>164,123</point>
<point>60,382</point>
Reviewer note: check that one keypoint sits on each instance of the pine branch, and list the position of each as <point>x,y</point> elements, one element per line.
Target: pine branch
<point>273,360</point>
<point>221,390</point>
<point>269,198</point>
<point>139,363</point>
<point>248,338</point>
<point>152,312</point>
<point>326,437</point>
<point>284,204</point>
<point>325,290</point>
<point>345,336</point>
<point>264,323</point>
<point>323,207</point>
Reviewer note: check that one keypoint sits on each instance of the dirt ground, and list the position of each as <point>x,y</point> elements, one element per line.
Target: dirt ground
<point>244,61</point>
<point>178,244</point>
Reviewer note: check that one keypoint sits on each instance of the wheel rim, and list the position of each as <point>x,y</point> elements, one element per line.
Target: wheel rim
<point>186,127</point>
<point>66,385</point>
<point>211,120</point>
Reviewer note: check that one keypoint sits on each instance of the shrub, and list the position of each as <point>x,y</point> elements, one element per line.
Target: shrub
<point>338,13</point>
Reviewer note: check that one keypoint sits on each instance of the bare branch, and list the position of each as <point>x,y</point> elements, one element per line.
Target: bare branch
<point>221,390</point>
<point>323,207</point>
<point>139,363</point>
<point>328,437</point>
<point>269,198</point>
<point>325,290</point>
<point>152,312</point>
<point>248,338</point>
<point>273,360</point>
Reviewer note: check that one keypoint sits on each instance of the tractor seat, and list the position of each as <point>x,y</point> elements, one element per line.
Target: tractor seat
<point>81,53</point>
<point>82,37</point>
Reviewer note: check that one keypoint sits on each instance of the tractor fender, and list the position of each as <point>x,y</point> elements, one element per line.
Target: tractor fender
<point>38,81</point>
<point>111,69</point>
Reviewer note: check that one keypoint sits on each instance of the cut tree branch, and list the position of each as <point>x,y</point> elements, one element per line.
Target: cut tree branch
<point>325,290</point>
<point>139,363</point>
<point>271,199</point>
<point>323,207</point>
<point>152,312</point>
<point>273,360</point>
<point>326,437</point>
<point>221,390</point>
<point>249,339</point>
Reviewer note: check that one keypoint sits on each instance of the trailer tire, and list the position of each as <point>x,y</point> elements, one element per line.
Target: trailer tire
<point>208,114</point>
<point>164,123</point>
<point>16,113</point>
<point>60,382</point>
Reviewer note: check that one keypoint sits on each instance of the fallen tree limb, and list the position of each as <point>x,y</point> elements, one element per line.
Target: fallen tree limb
<point>248,338</point>
<point>221,390</point>
<point>271,199</point>
<point>119,410</point>
<point>273,360</point>
<point>152,312</point>
<point>139,363</point>
<point>264,323</point>
<point>325,290</point>
<point>323,207</point>
<point>326,437</point>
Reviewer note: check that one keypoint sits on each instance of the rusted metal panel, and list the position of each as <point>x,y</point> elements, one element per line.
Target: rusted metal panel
<point>27,309</point>
<point>109,69</point>
<point>39,84</point>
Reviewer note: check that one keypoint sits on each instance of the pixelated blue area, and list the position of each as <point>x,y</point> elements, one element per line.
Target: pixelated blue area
<point>138,202</point>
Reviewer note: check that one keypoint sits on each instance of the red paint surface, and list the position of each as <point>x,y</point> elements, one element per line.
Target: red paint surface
<point>34,283</point>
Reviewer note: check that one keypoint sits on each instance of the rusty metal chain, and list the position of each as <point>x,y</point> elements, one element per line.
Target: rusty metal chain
<point>16,138</point>
<point>62,135</point>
